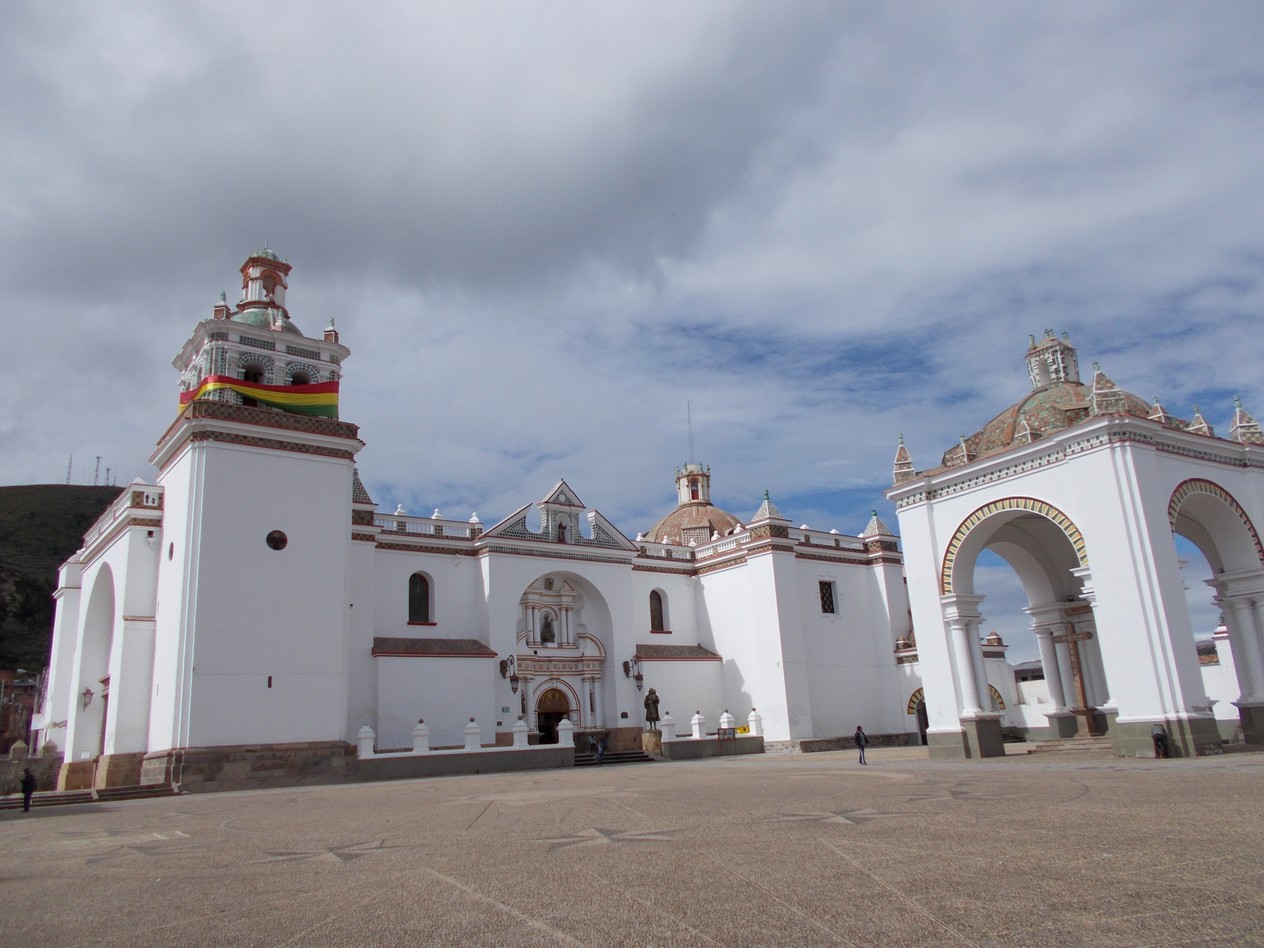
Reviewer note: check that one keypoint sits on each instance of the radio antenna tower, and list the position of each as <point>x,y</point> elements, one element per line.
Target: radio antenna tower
<point>689,418</point>
<point>96,472</point>
<point>69,467</point>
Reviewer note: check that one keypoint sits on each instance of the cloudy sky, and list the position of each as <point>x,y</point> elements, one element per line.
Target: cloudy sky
<point>544,229</point>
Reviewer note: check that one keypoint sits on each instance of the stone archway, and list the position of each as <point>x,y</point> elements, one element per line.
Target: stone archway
<point>1048,553</point>
<point>997,508</point>
<point>1211,518</point>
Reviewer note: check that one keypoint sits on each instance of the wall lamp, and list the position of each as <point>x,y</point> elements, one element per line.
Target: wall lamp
<point>87,697</point>
<point>632,669</point>
<point>509,669</point>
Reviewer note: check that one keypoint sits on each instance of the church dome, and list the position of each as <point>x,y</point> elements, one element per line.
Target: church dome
<point>1048,409</point>
<point>692,522</point>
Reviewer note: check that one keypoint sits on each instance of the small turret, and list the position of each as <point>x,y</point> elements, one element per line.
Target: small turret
<point>693,484</point>
<point>1245,429</point>
<point>1052,360</point>
<point>903,468</point>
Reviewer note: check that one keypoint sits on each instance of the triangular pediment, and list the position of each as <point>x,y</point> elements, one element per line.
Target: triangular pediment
<point>515,526</point>
<point>605,533</point>
<point>561,495</point>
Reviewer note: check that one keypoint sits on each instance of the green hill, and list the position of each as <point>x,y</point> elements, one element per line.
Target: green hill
<point>41,525</point>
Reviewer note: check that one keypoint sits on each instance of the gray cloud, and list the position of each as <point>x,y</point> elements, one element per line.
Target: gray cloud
<point>542,228</point>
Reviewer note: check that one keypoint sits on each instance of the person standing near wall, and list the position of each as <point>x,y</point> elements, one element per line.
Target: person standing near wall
<point>28,788</point>
<point>862,741</point>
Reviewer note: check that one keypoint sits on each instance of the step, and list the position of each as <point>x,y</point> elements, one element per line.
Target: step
<point>1071,744</point>
<point>48,798</point>
<point>143,792</point>
<point>613,757</point>
<point>72,797</point>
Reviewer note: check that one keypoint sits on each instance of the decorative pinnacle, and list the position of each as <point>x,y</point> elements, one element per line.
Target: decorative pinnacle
<point>765,493</point>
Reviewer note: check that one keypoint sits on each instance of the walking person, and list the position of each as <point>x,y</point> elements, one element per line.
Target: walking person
<point>862,741</point>
<point>28,788</point>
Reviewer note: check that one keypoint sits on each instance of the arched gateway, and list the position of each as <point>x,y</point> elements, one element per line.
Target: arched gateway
<point>1079,487</point>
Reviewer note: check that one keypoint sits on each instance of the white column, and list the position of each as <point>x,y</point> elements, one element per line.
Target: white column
<point>599,715</point>
<point>1053,673</point>
<point>980,669</point>
<point>1069,697</point>
<point>1251,637</point>
<point>959,630</point>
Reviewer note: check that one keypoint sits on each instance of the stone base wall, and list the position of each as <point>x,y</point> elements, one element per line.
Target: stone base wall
<point>544,757</point>
<point>118,770</point>
<point>980,737</point>
<point>251,766</point>
<point>690,749</point>
<point>46,770</point>
<point>622,739</point>
<point>1199,737</point>
<point>1251,718</point>
<point>816,745</point>
<point>76,775</point>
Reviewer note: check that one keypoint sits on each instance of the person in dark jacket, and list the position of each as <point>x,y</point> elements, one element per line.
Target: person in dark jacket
<point>28,788</point>
<point>862,741</point>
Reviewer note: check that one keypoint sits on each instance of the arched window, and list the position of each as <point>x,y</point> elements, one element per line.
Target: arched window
<point>418,598</point>
<point>657,619</point>
<point>693,488</point>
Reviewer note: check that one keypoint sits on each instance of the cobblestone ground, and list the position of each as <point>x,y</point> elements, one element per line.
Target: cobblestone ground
<point>778,849</point>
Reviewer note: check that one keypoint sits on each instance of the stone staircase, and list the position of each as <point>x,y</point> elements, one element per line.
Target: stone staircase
<point>1096,745</point>
<point>71,797</point>
<point>613,757</point>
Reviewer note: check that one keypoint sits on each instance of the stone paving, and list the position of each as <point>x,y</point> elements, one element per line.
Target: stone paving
<point>772,850</point>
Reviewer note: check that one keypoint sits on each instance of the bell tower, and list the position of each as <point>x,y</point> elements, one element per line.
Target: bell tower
<point>258,477</point>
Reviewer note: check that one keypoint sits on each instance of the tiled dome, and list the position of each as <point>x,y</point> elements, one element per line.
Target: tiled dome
<point>695,522</point>
<point>1050,408</point>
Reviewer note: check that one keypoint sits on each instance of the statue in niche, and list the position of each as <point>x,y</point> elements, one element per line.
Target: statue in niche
<point>546,630</point>
<point>651,709</point>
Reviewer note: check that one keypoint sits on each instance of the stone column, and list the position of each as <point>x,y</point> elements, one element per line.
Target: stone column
<point>1238,623</point>
<point>959,630</point>
<point>1069,698</point>
<point>1053,673</point>
<point>980,669</point>
<point>1251,637</point>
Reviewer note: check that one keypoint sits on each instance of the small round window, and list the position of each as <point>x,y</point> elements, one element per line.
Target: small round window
<point>277,540</point>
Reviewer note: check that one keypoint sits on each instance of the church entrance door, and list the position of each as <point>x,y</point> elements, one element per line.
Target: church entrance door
<point>550,709</point>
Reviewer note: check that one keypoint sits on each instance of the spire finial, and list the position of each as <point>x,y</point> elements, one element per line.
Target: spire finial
<point>765,493</point>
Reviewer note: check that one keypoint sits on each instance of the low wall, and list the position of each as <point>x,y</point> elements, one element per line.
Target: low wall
<point>691,749</point>
<point>44,768</point>
<point>816,745</point>
<point>251,766</point>
<point>455,763</point>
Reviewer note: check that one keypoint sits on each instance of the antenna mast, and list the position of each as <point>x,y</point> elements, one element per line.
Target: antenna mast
<point>69,466</point>
<point>689,417</point>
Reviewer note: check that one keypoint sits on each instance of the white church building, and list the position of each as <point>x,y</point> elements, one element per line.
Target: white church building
<point>254,608</point>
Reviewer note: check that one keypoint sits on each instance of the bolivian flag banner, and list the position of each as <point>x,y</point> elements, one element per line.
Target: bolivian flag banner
<point>318,399</point>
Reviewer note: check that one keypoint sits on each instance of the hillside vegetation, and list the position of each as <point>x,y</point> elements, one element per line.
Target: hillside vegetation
<point>41,525</point>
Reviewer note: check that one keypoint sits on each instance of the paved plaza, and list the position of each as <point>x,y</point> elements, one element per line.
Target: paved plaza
<point>812,849</point>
